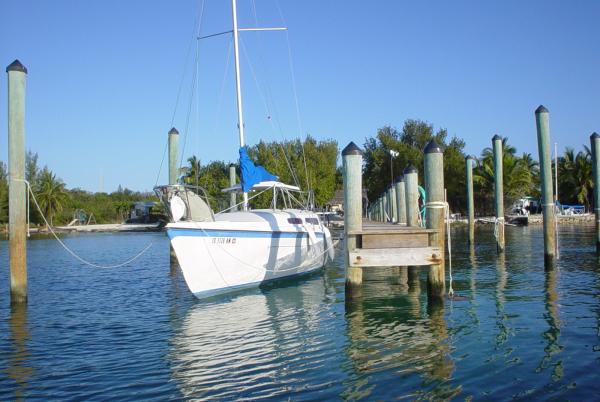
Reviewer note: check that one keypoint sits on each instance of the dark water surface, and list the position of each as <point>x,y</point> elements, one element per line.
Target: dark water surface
<point>136,333</point>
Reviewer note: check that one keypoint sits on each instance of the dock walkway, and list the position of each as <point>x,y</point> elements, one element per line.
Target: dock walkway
<point>385,244</point>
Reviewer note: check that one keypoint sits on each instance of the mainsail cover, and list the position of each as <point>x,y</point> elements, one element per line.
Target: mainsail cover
<point>251,173</point>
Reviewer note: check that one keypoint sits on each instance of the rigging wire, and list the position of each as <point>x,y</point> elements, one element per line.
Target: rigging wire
<point>262,96</point>
<point>196,30</point>
<point>293,76</point>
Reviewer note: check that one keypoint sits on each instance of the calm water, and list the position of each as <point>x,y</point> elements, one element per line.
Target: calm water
<point>136,332</point>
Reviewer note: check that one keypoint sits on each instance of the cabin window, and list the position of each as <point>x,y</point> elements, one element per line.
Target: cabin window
<point>314,221</point>
<point>295,221</point>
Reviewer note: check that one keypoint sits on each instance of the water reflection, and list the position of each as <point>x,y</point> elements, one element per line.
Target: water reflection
<point>501,316</point>
<point>259,343</point>
<point>389,336</point>
<point>552,334</point>
<point>19,369</point>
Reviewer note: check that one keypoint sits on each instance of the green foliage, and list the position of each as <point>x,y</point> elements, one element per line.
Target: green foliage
<point>287,161</point>
<point>50,193</point>
<point>519,175</point>
<point>575,177</point>
<point>409,143</point>
<point>213,178</point>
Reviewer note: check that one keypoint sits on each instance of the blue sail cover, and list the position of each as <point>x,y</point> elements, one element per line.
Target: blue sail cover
<point>251,173</point>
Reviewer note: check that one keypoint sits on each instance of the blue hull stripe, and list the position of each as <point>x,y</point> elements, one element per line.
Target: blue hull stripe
<point>172,233</point>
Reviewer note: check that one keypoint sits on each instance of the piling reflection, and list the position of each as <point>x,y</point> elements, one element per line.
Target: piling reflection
<point>257,341</point>
<point>18,368</point>
<point>387,332</point>
<point>552,334</point>
<point>501,316</point>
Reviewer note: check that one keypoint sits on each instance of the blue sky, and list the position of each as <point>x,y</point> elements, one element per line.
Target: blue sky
<point>104,76</point>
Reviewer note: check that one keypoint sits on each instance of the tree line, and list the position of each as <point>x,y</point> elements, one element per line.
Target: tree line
<point>521,174</point>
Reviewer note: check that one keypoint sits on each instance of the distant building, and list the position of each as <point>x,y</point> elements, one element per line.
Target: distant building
<point>336,204</point>
<point>141,212</point>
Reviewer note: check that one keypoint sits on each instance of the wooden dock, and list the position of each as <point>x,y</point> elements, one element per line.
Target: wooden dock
<point>381,244</point>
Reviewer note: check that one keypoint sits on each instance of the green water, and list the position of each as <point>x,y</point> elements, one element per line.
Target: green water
<point>136,333</point>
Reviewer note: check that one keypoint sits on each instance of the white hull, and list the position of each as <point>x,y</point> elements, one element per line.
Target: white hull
<point>244,249</point>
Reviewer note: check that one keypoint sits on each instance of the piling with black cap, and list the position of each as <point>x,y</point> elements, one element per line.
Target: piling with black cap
<point>17,189</point>
<point>411,185</point>
<point>543,136</point>
<point>470,199</point>
<point>435,213</point>
<point>595,147</point>
<point>352,158</point>
<point>400,199</point>
<point>173,142</point>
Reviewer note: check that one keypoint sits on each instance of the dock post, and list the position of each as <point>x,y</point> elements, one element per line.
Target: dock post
<point>499,192</point>
<point>543,136</point>
<point>385,206</point>
<point>435,216</point>
<point>352,174</point>
<point>411,186</point>
<point>173,140</point>
<point>400,199</point>
<point>17,190</point>
<point>470,199</point>
<point>393,204</point>
<point>595,147</point>
<point>232,195</point>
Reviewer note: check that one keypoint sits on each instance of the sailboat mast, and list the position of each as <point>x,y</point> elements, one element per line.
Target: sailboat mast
<point>238,85</point>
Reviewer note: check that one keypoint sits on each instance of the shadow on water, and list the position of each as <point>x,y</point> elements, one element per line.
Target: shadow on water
<point>395,334</point>
<point>18,365</point>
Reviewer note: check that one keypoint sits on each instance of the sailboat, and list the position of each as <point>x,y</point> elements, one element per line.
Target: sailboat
<point>222,252</point>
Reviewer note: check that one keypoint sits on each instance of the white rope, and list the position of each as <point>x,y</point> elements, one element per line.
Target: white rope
<point>68,249</point>
<point>444,205</point>
<point>497,222</point>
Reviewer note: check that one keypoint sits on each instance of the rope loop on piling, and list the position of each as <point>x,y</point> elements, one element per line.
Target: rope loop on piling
<point>77,257</point>
<point>446,207</point>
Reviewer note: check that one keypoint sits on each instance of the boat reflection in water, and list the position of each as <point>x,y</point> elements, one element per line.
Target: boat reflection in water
<point>266,342</point>
<point>390,334</point>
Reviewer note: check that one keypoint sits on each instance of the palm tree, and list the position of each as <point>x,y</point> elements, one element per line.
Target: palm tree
<point>191,174</point>
<point>50,194</point>
<point>575,175</point>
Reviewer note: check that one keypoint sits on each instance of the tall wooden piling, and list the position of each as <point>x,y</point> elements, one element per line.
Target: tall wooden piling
<point>232,182</point>
<point>17,190</point>
<point>393,205</point>
<point>470,199</point>
<point>543,136</point>
<point>435,214</point>
<point>173,140</point>
<point>400,199</point>
<point>499,192</point>
<point>411,186</point>
<point>386,213</point>
<point>352,176</point>
<point>595,147</point>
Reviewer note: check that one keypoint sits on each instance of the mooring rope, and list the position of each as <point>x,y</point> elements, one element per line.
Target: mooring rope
<point>66,247</point>
<point>444,205</point>
<point>497,222</point>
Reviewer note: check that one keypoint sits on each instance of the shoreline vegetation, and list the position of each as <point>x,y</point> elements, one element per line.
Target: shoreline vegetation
<point>313,164</point>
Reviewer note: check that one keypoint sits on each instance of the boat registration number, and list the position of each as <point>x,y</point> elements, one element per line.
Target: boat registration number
<point>224,240</point>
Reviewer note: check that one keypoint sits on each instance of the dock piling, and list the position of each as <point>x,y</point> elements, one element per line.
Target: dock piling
<point>352,175</point>
<point>393,205</point>
<point>400,199</point>
<point>595,147</point>
<point>543,136</point>
<point>470,199</point>
<point>411,186</point>
<point>232,182</point>
<point>499,192</point>
<point>435,215</point>
<point>173,141</point>
<point>17,190</point>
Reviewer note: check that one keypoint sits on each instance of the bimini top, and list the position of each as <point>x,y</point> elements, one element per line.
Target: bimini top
<point>263,185</point>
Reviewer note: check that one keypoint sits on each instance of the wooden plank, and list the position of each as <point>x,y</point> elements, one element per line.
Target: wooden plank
<point>395,240</point>
<point>392,257</point>
<point>391,230</point>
